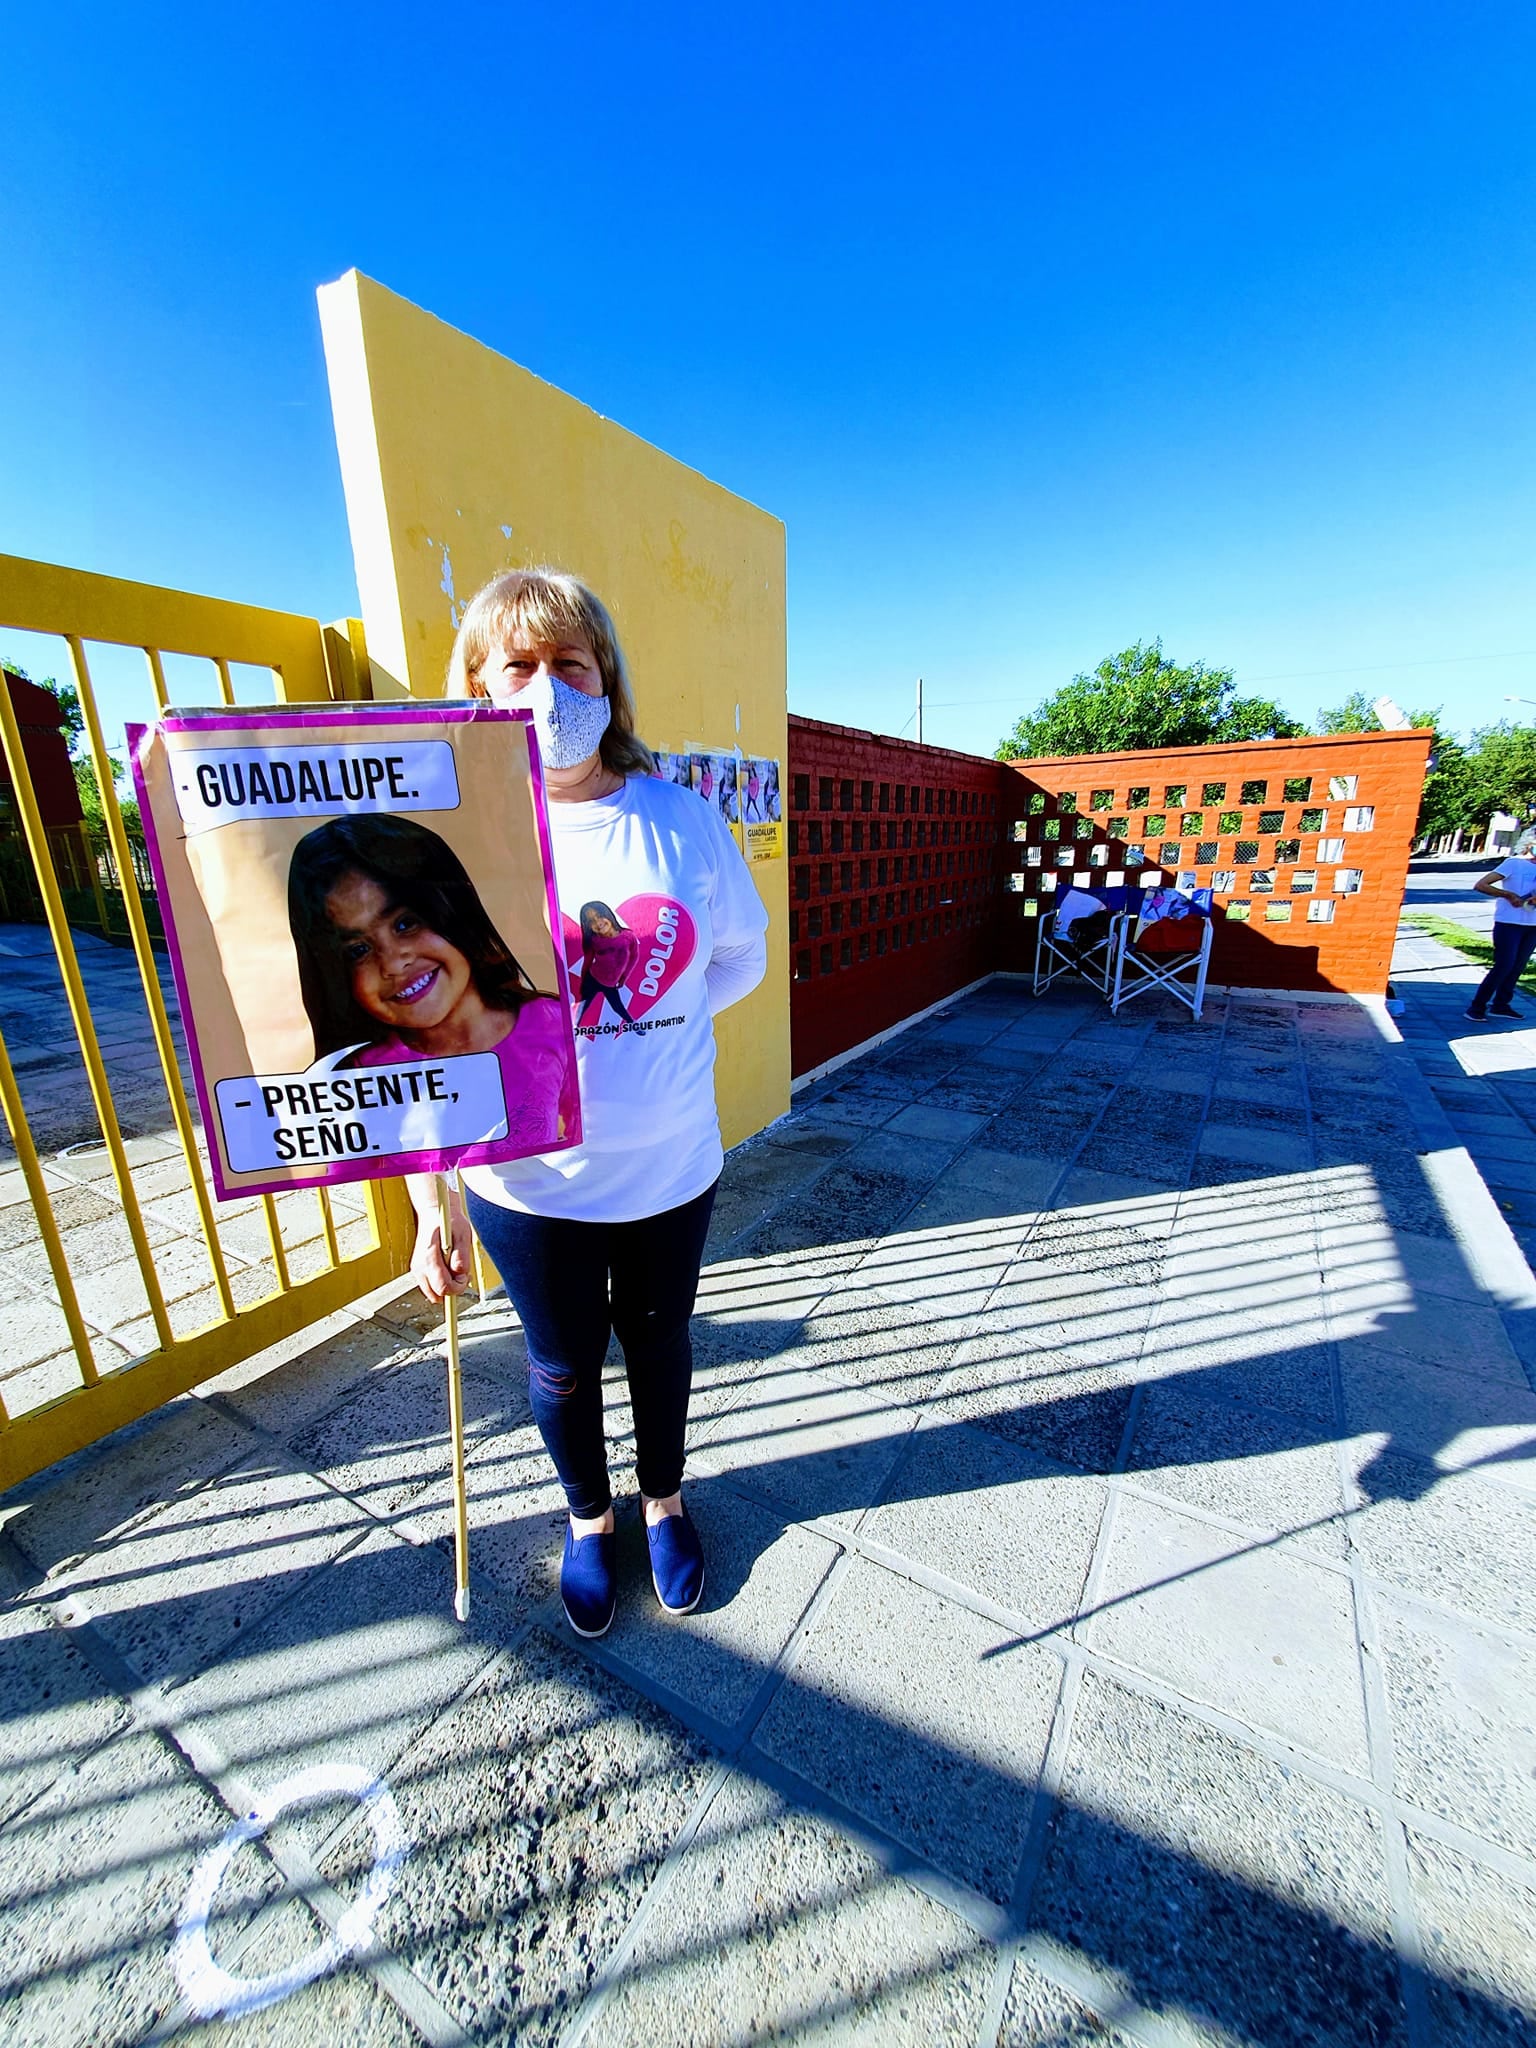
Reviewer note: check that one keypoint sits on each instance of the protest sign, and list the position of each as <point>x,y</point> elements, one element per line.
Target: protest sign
<point>360,907</point>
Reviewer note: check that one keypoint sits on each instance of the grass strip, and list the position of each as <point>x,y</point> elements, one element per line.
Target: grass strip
<point>1475,945</point>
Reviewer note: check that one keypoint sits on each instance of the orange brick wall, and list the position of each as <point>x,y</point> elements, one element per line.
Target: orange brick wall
<point>1350,954</point>
<point>901,859</point>
<point>896,856</point>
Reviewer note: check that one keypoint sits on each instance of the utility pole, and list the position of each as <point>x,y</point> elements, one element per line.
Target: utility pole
<point>919,711</point>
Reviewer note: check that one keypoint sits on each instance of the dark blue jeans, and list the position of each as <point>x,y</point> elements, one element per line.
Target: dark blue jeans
<point>1513,945</point>
<point>574,1283</point>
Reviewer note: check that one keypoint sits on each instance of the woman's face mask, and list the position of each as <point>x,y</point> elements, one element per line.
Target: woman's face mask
<point>568,722</point>
<point>562,686</point>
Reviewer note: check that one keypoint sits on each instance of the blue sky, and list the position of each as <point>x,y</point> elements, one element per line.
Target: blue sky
<point>1043,329</point>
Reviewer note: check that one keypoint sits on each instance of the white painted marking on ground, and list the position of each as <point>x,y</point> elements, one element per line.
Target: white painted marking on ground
<point>213,1993</point>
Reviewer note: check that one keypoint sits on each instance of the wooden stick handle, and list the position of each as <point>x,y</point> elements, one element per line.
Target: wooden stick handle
<point>455,1416</point>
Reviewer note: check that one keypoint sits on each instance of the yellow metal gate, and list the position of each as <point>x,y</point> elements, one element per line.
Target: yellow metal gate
<point>128,1282</point>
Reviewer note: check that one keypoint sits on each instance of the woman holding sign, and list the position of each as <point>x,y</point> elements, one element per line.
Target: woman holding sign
<point>607,1237</point>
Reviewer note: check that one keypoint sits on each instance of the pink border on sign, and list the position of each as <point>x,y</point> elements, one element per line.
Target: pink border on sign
<point>292,718</point>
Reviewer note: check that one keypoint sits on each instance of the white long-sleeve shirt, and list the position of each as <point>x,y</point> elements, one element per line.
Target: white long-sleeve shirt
<point>650,880</point>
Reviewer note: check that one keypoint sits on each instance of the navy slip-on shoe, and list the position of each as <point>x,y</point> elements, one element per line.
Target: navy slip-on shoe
<point>588,1584</point>
<point>677,1562</point>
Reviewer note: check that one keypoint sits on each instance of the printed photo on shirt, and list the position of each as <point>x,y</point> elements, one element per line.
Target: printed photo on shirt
<point>625,959</point>
<point>360,911</point>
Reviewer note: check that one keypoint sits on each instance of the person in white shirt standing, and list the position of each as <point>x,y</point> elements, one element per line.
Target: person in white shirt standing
<point>608,1236</point>
<point>1512,885</point>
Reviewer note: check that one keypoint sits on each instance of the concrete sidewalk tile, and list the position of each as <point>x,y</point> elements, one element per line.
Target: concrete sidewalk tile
<point>1239,1898</point>
<point>285,1388</point>
<point>53,1707</point>
<point>1088,1186</point>
<point>1046,1399</point>
<point>1514,1143</point>
<point>1433,1327</point>
<point>388,1443</point>
<point>171,1590</point>
<point>975,1089</point>
<point>91,1882</point>
<point>1253,1364</point>
<point>1446,1536</point>
<point>346,2004</point>
<point>1455,1419</point>
<point>35,1329</point>
<point>940,1746</point>
<point>1475,1923</point>
<point>352,1670</point>
<point>539,1810</point>
<point>855,1114</point>
<point>817,1447</point>
<point>1039,2011</point>
<point>137,1469</point>
<point>1460,1700</point>
<point>759,1577</point>
<point>929,1121</point>
<point>1376,1254</point>
<point>733,1355</point>
<point>1040,1130</point>
<point>1179,1077</point>
<point>1014,1178</point>
<point>1253,1465</point>
<point>922,1263</point>
<point>1255,1632</point>
<point>898,1349</point>
<point>995,1516</point>
<point>1263,1115</point>
<point>1505,1173</point>
<point>776,1927</point>
<point>1281,1149</point>
<point>1215,1182</point>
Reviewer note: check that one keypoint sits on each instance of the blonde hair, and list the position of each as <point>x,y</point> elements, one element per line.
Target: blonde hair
<point>551,607</point>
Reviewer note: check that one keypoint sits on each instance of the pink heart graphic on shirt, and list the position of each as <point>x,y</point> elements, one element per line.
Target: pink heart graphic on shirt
<point>653,941</point>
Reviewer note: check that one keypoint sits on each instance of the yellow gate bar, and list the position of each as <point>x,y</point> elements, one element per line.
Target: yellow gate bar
<point>133,907</point>
<point>80,1009</point>
<point>42,597</point>
<point>37,1188</point>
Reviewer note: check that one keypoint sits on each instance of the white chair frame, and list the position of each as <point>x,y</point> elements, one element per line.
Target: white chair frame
<point>1183,976</point>
<point>1055,957</point>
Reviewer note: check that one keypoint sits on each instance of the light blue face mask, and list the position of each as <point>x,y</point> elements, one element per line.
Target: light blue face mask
<point>568,722</point>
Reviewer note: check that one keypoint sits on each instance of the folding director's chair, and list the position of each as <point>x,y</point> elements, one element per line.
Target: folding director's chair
<point>1178,964</point>
<point>1087,949</point>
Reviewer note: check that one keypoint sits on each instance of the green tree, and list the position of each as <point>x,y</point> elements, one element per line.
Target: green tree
<point>1139,698</point>
<point>1449,800</point>
<point>1358,714</point>
<point>1502,771</point>
<point>1355,714</point>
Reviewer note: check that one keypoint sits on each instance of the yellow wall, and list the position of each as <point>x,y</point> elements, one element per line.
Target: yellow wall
<point>457,463</point>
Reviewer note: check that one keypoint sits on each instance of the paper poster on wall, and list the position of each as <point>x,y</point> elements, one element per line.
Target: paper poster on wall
<point>762,811</point>
<point>360,909</point>
<point>714,777</point>
<point>673,767</point>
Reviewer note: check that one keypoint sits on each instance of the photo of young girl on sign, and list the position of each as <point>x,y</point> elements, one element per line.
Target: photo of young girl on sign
<point>399,961</point>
